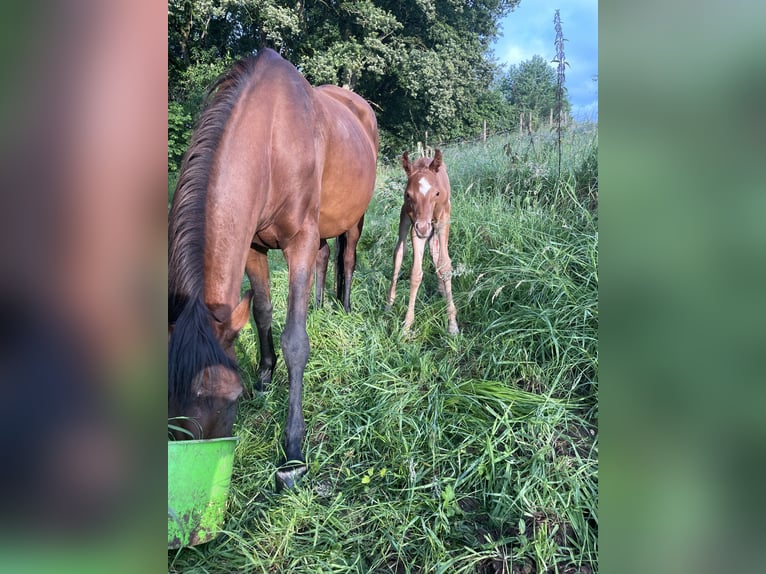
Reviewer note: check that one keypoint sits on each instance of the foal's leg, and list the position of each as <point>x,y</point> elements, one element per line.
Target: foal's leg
<point>349,262</point>
<point>301,261</point>
<point>433,247</point>
<point>257,269</point>
<point>404,227</point>
<point>418,247</point>
<point>323,257</point>
<point>444,272</point>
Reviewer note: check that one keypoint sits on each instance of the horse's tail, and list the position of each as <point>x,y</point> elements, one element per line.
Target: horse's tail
<point>192,347</point>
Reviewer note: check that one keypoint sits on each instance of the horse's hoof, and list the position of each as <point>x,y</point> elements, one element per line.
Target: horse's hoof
<point>453,330</point>
<point>287,479</point>
<point>262,384</point>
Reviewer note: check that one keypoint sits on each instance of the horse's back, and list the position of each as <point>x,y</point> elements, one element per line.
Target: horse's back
<point>350,143</point>
<point>358,107</point>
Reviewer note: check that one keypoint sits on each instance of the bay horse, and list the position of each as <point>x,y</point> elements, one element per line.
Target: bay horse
<point>426,211</point>
<point>273,163</point>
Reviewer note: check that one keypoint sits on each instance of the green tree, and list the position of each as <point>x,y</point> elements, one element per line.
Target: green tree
<point>179,132</point>
<point>424,64</point>
<point>531,87</point>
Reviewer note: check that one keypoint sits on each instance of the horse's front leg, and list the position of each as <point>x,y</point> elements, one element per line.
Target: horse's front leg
<point>301,261</point>
<point>404,227</point>
<point>257,269</point>
<point>418,247</point>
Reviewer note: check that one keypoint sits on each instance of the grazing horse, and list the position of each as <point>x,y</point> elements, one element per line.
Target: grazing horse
<point>426,210</point>
<point>273,164</point>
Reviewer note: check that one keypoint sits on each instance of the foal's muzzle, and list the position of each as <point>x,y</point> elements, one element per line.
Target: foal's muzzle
<point>423,229</point>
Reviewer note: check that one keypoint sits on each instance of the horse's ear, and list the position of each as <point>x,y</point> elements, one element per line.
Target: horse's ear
<point>437,161</point>
<point>406,163</point>
<point>241,313</point>
<point>229,388</point>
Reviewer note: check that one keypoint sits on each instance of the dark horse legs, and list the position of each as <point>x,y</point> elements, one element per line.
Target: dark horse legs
<point>257,269</point>
<point>323,257</point>
<point>295,347</point>
<point>301,262</point>
<point>345,263</point>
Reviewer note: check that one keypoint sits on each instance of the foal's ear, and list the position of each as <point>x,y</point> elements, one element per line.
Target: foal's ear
<point>406,163</point>
<point>437,161</point>
<point>241,313</point>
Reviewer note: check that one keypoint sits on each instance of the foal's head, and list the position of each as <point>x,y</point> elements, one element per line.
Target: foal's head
<point>210,408</point>
<point>423,192</point>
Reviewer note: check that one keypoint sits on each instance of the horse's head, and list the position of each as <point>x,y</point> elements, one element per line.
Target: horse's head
<point>209,409</point>
<point>424,190</point>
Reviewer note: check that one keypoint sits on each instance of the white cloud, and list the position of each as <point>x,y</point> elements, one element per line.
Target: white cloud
<point>515,54</point>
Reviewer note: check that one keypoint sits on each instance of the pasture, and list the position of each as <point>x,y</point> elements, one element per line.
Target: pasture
<point>426,452</point>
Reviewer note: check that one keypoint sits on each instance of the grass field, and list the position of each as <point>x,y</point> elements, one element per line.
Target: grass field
<point>431,453</point>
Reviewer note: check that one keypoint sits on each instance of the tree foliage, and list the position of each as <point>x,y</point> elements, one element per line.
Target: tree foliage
<point>425,65</point>
<point>530,87</point>
<point>179,132</point>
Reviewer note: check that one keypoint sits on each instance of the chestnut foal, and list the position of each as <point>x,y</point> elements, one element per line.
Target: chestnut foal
<point>426,210</point>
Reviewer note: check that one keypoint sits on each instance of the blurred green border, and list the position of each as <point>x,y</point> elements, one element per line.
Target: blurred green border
<point>682,117</point>
<point>682,90</point>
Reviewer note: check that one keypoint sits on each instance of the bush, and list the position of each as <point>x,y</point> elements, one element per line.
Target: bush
<point>179,132</point>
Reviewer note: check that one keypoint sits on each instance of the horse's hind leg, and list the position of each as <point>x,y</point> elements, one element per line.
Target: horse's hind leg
<point>340,266</point>
<point>346,262</point>
<point>323,257</point>
<point>433,247</point>
<point>444,272</point>
<point>257,269</point>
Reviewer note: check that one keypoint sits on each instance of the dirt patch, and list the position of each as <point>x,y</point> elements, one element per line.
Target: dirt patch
<point>551,524</point>
<point>575,440</point>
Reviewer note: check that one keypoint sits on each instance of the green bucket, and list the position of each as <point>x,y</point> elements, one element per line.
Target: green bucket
<point>199,474</point>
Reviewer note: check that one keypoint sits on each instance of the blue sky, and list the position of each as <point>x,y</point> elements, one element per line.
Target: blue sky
<point>528,30</point>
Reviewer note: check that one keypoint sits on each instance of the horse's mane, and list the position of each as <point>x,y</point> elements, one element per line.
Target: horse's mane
<point>193,345</point>
<point>186,229</point>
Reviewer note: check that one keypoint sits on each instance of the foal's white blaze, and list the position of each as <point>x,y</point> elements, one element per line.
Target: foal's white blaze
<point>424,185</point>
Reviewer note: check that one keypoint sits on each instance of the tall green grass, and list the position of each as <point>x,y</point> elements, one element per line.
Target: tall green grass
<point>431,453</point>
